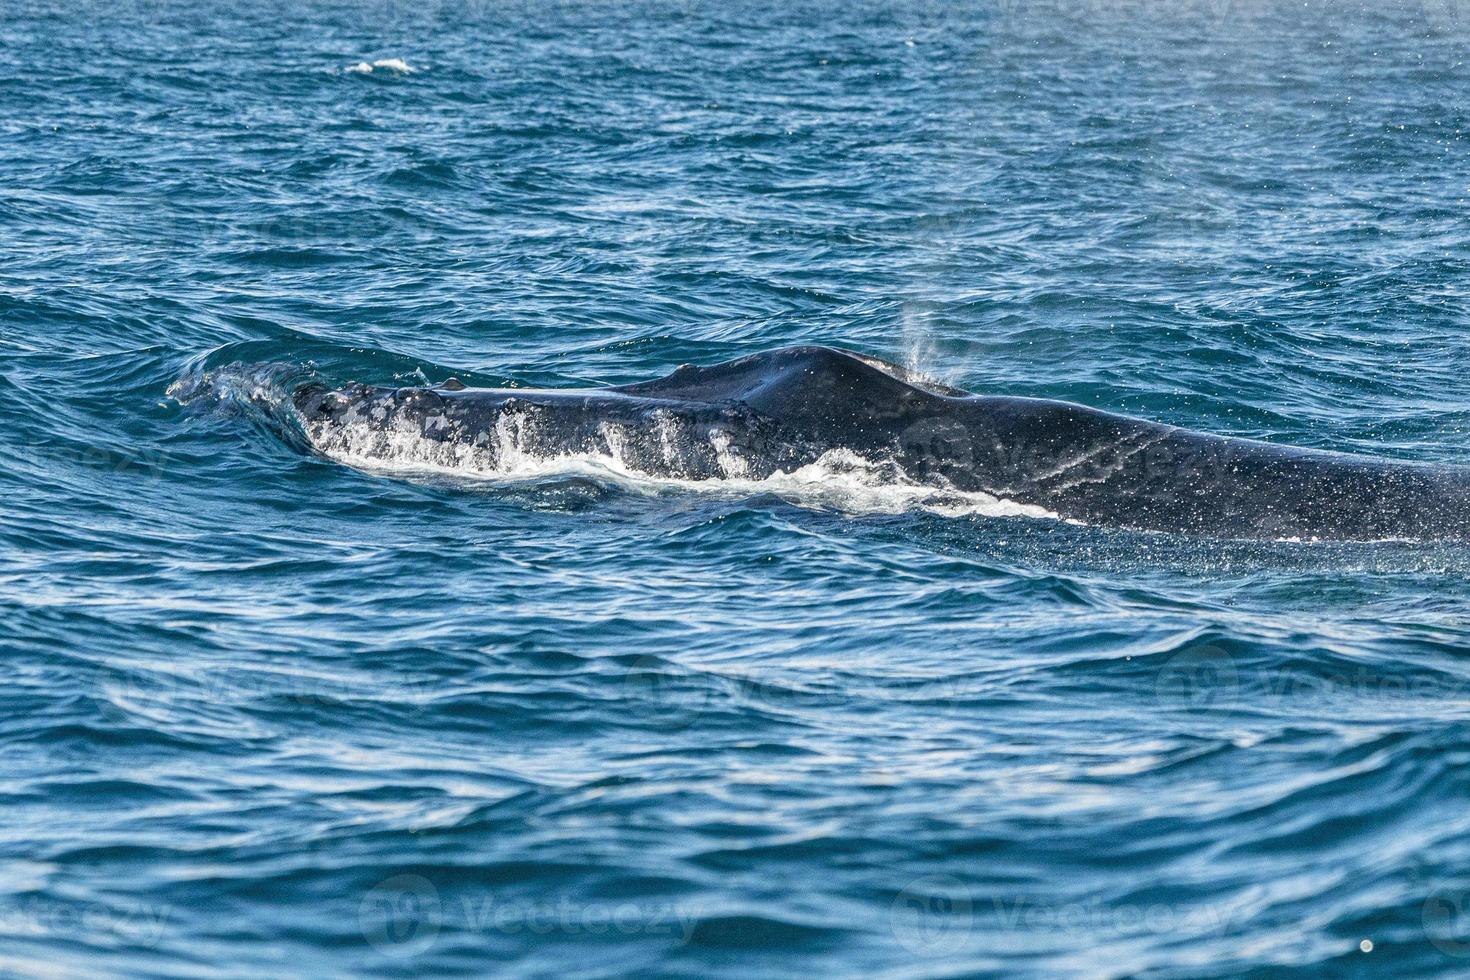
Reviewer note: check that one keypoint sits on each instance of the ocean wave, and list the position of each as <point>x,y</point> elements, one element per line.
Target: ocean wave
<point>424,713</point>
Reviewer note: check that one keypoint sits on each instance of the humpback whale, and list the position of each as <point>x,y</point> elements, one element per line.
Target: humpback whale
<point>779,410</point>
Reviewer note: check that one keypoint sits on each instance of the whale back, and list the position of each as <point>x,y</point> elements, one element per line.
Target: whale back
<point>781,410</point>
<point>814,392</point>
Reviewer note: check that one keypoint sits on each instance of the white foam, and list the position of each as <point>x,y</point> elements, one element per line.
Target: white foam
<point>387,64</point>
<point>839,480</point>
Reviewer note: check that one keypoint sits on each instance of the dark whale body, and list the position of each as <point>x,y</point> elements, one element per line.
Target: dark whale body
<point>787,408</point>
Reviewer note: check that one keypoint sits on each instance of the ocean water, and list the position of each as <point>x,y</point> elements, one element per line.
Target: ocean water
<point>269,712</point>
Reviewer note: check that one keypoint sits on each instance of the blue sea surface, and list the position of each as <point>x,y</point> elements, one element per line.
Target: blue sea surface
<point>269,713</point>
